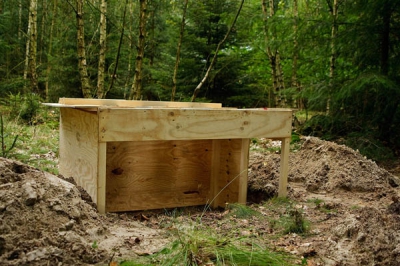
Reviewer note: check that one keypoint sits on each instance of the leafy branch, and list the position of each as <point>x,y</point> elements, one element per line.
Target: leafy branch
<point>4,150</point>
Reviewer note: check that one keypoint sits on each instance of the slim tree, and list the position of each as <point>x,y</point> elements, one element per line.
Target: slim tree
<point>214,59</point>
<point>294,81</point>
<point>273,54</point>
<point>332,65</point>
<point>31,47</point>
<point>136,89</point>
<point>102,53</point>
<point>50,48</point>
<point>178,52</point>
<point>82,62</point>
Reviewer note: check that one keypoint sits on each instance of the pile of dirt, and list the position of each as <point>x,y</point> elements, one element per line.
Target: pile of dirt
<point>357,221</point>
<point>322,166</point>
<point>44,219</point>
<point>47,220</point>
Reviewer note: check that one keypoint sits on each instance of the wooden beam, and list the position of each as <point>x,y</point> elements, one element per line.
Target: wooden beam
<point>185,124</point>
<point>284,171</point>
<point>101,178</point>
<point>244,164</point>
<point>124,103</point>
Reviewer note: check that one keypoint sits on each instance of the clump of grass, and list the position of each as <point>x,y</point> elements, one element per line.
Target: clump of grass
<point>199,247</point>
<point>242,211</point>
<point>290,219</point>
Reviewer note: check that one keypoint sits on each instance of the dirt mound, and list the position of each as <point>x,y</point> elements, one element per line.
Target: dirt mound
<point>44,221</point>
<point>356,217</point>
<point>322,166</point>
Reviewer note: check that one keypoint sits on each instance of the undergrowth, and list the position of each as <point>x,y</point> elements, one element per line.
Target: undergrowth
<point>203,246</point>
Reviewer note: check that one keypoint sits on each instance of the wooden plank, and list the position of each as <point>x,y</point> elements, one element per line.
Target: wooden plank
<point>79,148</point>
<point>215,172</point>
<point>243,175</point>
<point>125,103</point>
<point>228,180</point>
<point>284,168</point>
<point>185,124</point>
<point>101,178</point>
<point>157,174</point>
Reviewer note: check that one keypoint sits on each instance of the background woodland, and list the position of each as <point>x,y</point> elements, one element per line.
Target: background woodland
<point>338,60</point>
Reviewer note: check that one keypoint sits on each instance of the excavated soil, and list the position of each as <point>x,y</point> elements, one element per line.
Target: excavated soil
<point>352,204</point>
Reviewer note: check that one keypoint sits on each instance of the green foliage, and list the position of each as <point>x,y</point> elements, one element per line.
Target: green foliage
<point>290,218</point>
<point>6,144</point>
<point>242,211</point>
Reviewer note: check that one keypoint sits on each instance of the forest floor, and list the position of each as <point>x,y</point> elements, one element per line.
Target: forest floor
<point>345,208</point>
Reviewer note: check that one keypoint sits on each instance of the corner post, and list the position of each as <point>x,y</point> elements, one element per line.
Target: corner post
<point>284,171</point>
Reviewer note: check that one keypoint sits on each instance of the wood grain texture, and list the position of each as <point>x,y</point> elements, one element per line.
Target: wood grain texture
<point>101,178</point>
<point>157,174</point>
<point>227,179</point>
<point>284,171</point>
<point>79,148</point>
<point>185,124</point>
<point>125,103</point>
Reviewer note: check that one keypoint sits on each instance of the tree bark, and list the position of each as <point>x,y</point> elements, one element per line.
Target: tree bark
<point>136,89</point>
<point>334,31</point>
<point>50,49</point>
<point>102,53</point>
<point>178,52</point>
<point>114,74</point>
<point>31,47</point>
<point>294,81</point>
<point>82,63</point>
<point>274,58</point>
<point>197,89</point>
<point>385,37</point>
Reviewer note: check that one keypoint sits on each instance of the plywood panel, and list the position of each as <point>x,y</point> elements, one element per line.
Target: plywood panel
<point>125,103</point>
<point>184,124</point>
<point>157,174</point>
<point>79,148</point>
<point>228,177</point>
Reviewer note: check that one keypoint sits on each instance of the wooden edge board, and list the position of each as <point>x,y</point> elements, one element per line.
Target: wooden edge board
<point>133,103</point>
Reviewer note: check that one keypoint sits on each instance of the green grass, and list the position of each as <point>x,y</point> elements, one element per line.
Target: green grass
<point>288,219</point>
<point>202,245</point>
<point>37,145</point>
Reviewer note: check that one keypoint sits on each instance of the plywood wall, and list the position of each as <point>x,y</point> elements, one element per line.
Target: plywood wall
<point>157,174</point>
<point>79,148</point>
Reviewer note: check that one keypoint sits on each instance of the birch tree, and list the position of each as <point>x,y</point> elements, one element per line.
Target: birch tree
<point>31,47</point>
<point>332,65</point>
<point>136,89</point>
<point>82,61</point>
<point>178,52</point>
<point>214,59</point>
<point>273,54</point>
<point>102,53</point>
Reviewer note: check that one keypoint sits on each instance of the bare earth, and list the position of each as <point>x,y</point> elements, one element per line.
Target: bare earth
<point>352,204</point>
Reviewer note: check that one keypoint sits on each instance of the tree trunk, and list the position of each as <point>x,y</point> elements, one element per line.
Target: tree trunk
<point>82,63</point>
<point>114,74</point>
<point>102,53</point>
<point>334,31</point>
<point>197,90</point>
<point>50,49</point>
<point>272,56</point>
<point>294,81</point>
<point>19,19</point>
<point>31,47</point>
<point>178,52</point>
<point>136,89</point>
<point>385,37</point>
